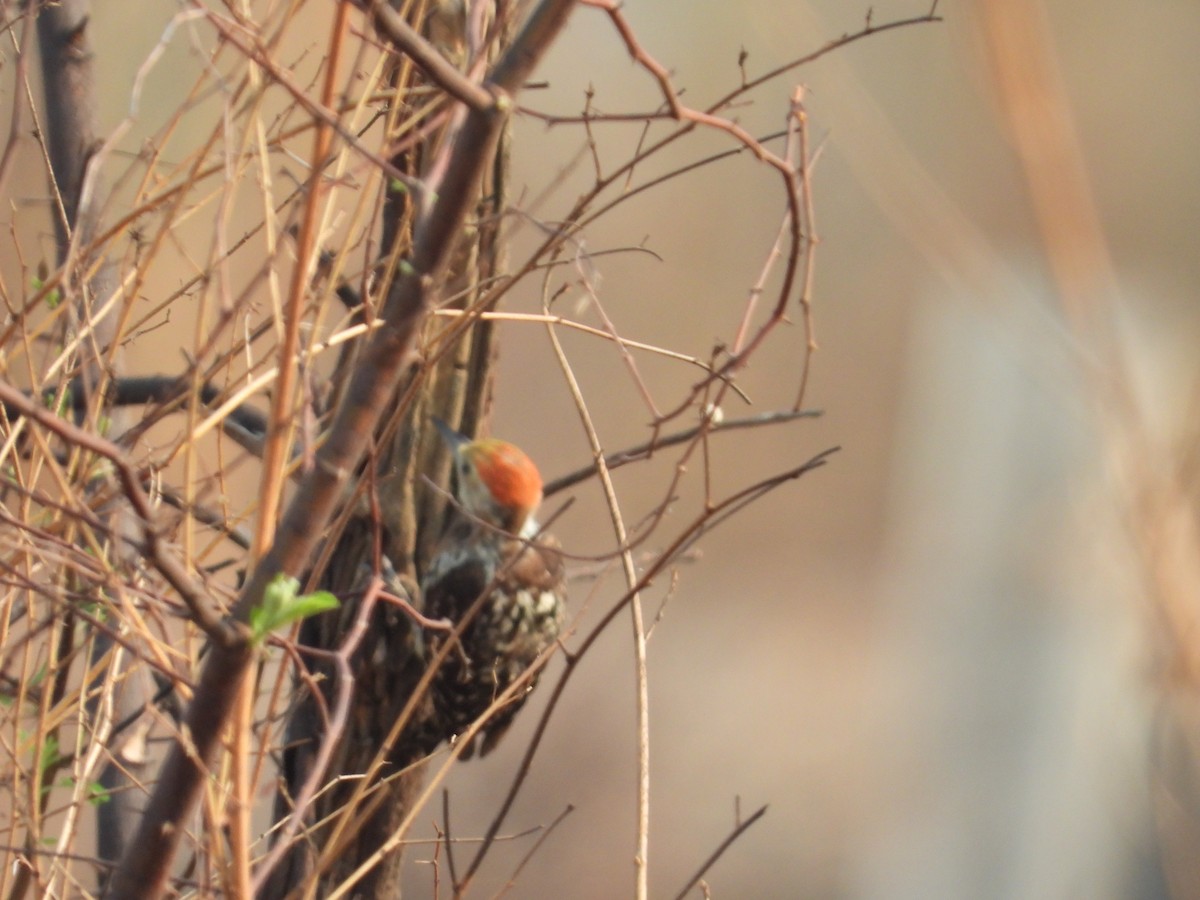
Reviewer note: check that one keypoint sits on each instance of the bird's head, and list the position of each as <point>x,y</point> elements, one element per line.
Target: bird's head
<point>495,480</point>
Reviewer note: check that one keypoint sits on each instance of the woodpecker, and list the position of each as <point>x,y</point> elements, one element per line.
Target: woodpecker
<point>492,546</point>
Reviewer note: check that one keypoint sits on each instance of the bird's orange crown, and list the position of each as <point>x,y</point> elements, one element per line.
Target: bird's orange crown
<point>496,481</point>
<point>508,473</point>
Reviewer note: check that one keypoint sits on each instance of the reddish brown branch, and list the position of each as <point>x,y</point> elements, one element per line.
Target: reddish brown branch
<point>794,181</point>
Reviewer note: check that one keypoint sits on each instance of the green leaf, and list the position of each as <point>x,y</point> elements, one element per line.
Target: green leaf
<point>64,403</point>
<point>98,794</point>
<point>50,754</point>
<point>35,680</point>
<point>50,758</point>
<point>97,609</point>
<point>53,296</point>
<point>282,605</point>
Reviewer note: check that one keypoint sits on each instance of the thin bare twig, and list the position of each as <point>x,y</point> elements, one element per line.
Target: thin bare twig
<point>737,832</point>
<point>447,839</point>
<point>807,277</point>
<point>647,449</point>
<point>641,857</point>
<point>581,216</point>
<point>20,74</point>
<point>537,845</point>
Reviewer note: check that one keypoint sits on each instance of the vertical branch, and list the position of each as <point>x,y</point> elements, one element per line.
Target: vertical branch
<point>71,136</point>
<point>278,440</point>
<point>275,452</point>
<point>453,384</point>
<point>641,857</point>
<point>70,125</point>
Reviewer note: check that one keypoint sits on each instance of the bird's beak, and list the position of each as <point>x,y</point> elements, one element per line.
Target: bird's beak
<point>452,438</point>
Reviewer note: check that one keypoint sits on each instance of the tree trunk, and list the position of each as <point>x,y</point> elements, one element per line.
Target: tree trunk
<point>454,384</point>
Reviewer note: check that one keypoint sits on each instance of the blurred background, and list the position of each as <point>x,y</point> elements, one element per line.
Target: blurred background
<point>940,660</point>
<point>955,661</point>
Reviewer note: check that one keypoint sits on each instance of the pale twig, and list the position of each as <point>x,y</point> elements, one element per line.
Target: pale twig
<point>231,32</point>
<point>20,75</point>
<point>623,342</point>
<point>583,266</point>
<point>641,857</point>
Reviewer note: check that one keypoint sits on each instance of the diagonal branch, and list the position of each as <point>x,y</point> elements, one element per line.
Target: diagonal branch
<point>737,832</point>
<point>436,67</point>
<point>659,442</point>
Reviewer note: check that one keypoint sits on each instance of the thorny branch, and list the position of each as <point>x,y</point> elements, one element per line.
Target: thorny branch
<point>795,180</point>
<point>791,183</point>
